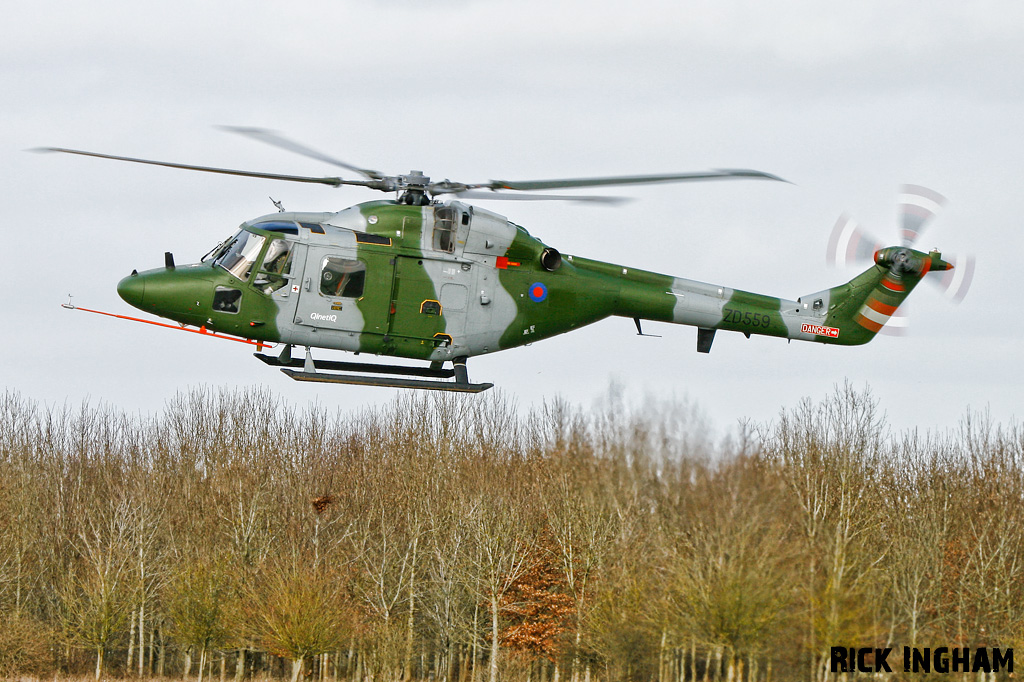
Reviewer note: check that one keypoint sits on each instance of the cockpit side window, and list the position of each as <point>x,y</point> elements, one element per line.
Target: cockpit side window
<point>240,256</point>
<point>276,264</point>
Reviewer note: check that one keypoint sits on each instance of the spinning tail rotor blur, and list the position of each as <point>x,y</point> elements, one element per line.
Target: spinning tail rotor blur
<point>850,244</point>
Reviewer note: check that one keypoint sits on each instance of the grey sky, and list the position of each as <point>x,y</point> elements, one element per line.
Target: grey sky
<point>846,100</point>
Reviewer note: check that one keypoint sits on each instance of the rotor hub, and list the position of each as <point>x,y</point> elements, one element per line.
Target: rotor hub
<point>900,260</point>
<point>413,186</point>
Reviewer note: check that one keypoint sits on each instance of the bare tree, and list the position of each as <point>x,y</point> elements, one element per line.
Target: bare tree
<point>583,527</point>
<point>732,580</point>
<point>298,610</point>
<point>921,512</point>
<point>828,456</point>
<point>198,596</point>
<point>501,530</point>
<point>97,597</point>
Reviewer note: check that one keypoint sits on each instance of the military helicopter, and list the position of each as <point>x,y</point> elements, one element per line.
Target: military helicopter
<point>429,277</point>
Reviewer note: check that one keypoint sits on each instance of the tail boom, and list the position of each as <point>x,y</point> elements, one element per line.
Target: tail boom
<point>848,314</point>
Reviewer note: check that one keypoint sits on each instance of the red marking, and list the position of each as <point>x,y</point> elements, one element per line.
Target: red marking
<point>501,263</point>
<point>892,285</point>
<point>870,325</point>
<point>392,307</point>
<point>201,330</point>
<point>538,292</point>
<point>927,267</point>
<point>819,330</point>
<point>880,307</point>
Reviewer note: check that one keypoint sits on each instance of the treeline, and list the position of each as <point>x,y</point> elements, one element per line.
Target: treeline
<point>465,540</point>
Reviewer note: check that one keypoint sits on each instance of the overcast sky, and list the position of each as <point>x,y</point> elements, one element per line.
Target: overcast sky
<point>846,100</point>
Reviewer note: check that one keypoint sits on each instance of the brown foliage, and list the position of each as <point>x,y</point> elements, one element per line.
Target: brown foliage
<point>537,608</point>
<point>322,503</point>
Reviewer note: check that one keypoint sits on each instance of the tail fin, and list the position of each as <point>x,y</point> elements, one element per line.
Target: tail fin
<point>860,308</point>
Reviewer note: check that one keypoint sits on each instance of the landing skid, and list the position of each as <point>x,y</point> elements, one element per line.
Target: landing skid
<point>314,372</point>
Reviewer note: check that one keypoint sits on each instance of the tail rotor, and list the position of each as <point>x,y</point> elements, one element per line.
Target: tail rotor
<point>850,244</point>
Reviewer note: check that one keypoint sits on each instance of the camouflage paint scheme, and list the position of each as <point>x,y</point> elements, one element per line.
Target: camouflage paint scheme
<point>452,280</point>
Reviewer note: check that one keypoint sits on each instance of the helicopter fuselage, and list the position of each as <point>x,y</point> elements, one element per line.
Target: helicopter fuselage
<point>426,282</point>
<point>446,281</point>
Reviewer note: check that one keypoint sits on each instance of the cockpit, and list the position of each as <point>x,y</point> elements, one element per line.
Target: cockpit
<point>240,254</point>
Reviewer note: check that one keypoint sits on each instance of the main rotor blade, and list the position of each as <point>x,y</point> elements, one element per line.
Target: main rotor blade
<point>918,205</point>
<point>333,182</point>
<point>281,142</point>
<point>721,174</point>
<point>498,196</point>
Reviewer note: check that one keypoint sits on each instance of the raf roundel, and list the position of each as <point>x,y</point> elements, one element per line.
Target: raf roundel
<point>538,292</point>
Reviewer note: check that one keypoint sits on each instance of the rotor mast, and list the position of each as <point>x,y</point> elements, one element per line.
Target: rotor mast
<point>414,187</point>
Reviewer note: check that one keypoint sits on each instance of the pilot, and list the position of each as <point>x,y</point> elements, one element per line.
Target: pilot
<point>277,256</point>
<point>274,265</point>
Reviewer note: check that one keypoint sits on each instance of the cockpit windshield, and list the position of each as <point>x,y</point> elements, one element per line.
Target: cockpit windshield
<point>218,251</point>
<point>240,254</point>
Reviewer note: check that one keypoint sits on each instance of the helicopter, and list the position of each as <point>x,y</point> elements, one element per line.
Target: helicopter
<point>429,277</point>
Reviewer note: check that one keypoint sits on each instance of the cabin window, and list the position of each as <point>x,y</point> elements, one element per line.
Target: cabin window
<point>367,238</point>
<point>240,256</point>
<point>444,228</point>
<point>225,299</point>
<point>342,277</point>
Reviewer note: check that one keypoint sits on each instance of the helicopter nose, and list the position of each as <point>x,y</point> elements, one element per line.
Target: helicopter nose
<point>132,289</point>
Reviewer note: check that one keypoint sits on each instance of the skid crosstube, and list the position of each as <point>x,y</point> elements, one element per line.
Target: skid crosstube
<point>460,385</point>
